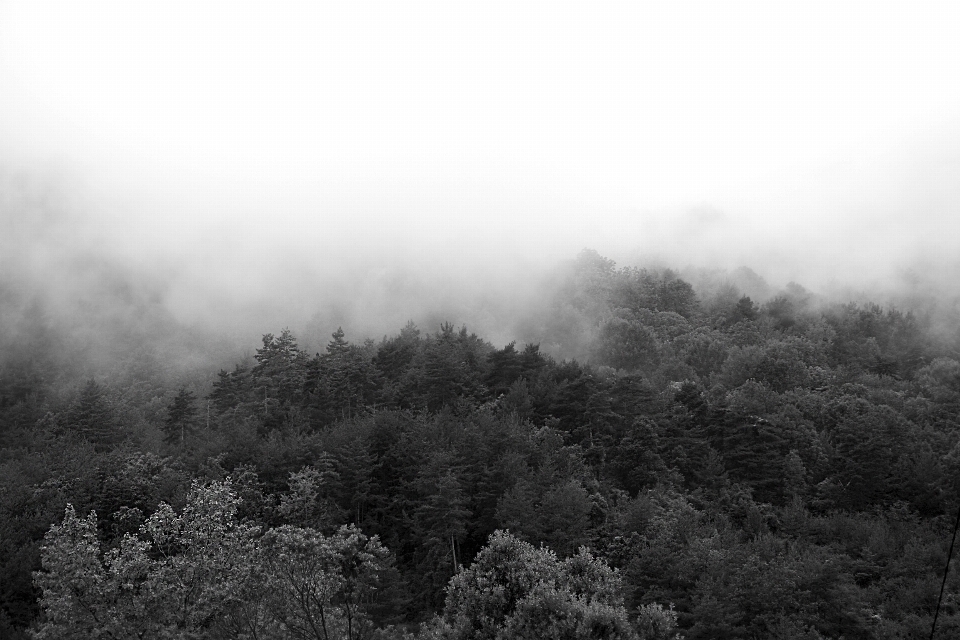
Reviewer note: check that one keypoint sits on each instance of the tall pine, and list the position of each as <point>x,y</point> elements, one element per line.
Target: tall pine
<point>181,419</point>
<point>92,418</point>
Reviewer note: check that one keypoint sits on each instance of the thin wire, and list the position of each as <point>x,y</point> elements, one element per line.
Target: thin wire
<point>943,584</point>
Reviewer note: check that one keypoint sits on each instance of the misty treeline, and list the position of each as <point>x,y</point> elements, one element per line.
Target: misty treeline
<point>709,465</point>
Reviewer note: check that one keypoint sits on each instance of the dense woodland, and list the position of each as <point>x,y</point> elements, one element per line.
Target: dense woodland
<point>669,456</point>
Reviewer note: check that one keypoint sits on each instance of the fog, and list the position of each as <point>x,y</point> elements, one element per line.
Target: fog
<point>246,166</point>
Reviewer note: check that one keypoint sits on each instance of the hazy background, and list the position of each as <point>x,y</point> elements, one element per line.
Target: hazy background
<point>307,164</point>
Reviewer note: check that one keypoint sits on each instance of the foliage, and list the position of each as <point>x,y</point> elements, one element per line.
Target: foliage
<point>514,590</point>
<point>92,418</point>
<point>741,461</point>
<point>202,573</point>
<point>181,418</point>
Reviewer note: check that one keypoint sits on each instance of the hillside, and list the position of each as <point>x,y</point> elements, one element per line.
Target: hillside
<point>695,453</point>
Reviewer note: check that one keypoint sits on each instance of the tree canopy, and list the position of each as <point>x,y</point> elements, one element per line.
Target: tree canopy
<point>658,455</point>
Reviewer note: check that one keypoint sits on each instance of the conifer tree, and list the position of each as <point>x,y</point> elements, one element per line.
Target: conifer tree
<point>343,380</point>
<point>278,378</point>
<point>181,418</point>
<point>230,389</point>
<point>355,465</point>
<point>92,418</point>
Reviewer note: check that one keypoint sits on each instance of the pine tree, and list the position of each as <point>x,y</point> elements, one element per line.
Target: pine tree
<point>230,389</point>
<point>442,513</point>
<point>343,380</point>
<point>278,378</point>
<point>92,418</point>
<point>505,369</point>
<point>794,476</point>
<point>181,418</point>
<point>355,464</point>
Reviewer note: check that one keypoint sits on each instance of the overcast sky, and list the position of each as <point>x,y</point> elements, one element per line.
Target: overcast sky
<point>234,139</point>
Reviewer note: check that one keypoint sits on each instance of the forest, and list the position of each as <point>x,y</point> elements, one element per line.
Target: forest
<point>666,457</point>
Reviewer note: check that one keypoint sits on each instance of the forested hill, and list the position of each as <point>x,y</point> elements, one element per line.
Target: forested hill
<point>663,456</point>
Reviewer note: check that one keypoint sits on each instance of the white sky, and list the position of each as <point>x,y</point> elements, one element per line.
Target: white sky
<point>823,135</point>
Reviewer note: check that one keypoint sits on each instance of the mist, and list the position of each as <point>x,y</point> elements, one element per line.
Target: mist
<point>246,167</point>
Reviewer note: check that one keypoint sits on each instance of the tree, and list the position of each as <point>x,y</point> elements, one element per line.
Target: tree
<point>704,351</point>
<point>794,476</point>
<point>309,501</point>
<point>556,515</point>
<point>278,378</point>
<point>676,295</point>
<point>92,418</point>
<point>319,586</point>
<point>635,463</point>
<point>230,389</point>
<point>867,440</point>
<point>657,623</point>
<point>346,381</point>
<point>780,364</point>
<point>744,310</point>
<point>75,596</point>
<point>624,343</point>
<point>506,367</point>
<point>442,513</point>
<point>515,590</point>
<point>393,363</point>
<point>753,451</point>
<point>359,561</point>
<point>201,573</point>
<point>548,502</point>
<point>355,465</point>
<point>440,522</point>
<point>450,367</point>
<point>187,573</point>
<point>181,418</point>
